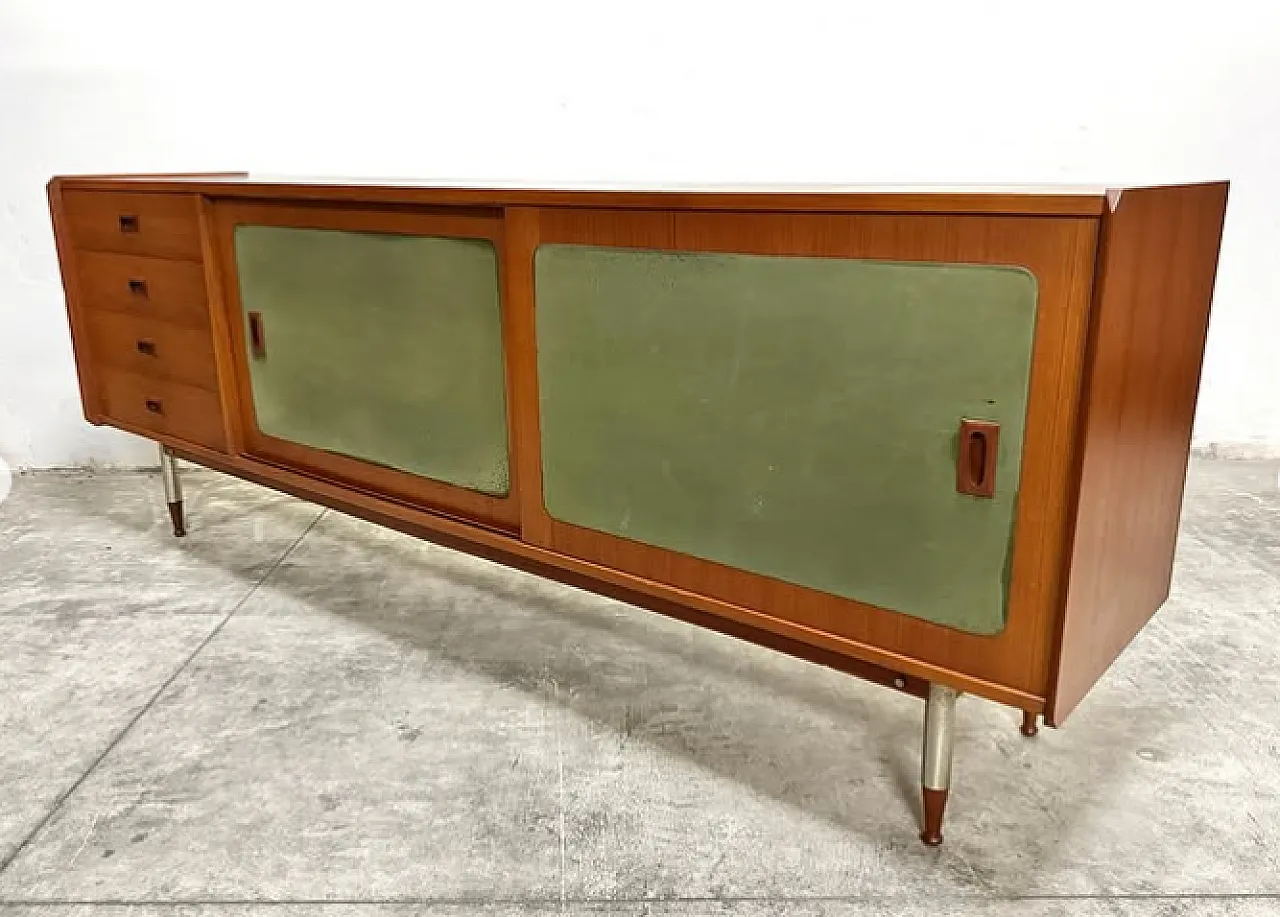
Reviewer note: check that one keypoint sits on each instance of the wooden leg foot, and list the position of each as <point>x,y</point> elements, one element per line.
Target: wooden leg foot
<point>935,804</point>
<point>179,523</point>
<point>1030,724</point>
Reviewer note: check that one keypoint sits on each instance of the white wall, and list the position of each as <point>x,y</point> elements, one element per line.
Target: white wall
<point>908,91</point>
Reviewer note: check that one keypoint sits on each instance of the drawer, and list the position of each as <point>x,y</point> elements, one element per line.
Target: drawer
<point>163,406</point>
<point>152,348</point>
<point>163,225</point>
<point>154,287</point>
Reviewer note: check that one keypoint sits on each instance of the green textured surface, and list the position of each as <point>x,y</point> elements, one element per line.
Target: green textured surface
<point>795,417</point>
<point>381,347</point>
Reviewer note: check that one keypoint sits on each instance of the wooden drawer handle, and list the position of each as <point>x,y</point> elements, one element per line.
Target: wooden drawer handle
<point>147,347</point>
<point>129,222</point>
<point>257,336</point>
<point>976,457</point>
<point>137,287</point>
<point>154,406</point>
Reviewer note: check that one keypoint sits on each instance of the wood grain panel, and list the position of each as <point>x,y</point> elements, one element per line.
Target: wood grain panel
<point>162,225</point>
<point>160,288</point>
<point>1060,254</point>
<point>68,263</point>
<point>219,323</point>
<point>519,232</point>
<point>145,403</point>
<point>153,348</point>
<point>1151,313</point>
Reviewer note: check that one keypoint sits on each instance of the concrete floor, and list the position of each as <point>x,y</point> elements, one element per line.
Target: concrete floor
<point>291,712</point>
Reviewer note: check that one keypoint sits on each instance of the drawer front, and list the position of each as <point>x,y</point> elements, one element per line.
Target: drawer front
<point>163,225</point>
<point>163,406</point>
<point>153,287</point>
<point>151,348</point>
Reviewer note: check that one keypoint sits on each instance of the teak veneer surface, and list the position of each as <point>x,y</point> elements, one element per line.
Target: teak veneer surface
<point>1125,282</point>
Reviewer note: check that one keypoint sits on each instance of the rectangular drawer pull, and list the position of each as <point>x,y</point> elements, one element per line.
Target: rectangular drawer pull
<point>147,347</point>
<point>137,287</point>
<point>129,222</point>
<point>154,406</point>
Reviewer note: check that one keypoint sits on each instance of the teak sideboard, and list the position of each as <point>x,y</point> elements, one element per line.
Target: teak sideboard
<point>932,437</point>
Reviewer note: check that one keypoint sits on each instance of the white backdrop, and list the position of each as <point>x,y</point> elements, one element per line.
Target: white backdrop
<point>546,91</point>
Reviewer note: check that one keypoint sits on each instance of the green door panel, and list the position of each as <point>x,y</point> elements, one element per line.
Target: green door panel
<point>381,347</point>
<point>793,417</point>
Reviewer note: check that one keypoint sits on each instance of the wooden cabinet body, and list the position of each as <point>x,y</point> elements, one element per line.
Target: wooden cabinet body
<point>922,436</point>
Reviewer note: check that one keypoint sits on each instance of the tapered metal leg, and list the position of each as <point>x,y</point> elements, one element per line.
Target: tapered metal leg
<point>172,490</point>
<point>1030,724</point>
<point>935,771</point>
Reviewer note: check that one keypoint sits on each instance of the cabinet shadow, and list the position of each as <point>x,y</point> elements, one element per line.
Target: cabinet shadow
<point>840,750</point>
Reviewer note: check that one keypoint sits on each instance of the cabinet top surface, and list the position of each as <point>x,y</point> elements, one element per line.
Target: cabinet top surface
<point>1054,200</point>
<point>1047,199</point>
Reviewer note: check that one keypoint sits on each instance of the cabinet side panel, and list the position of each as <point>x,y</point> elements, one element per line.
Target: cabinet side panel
<point>1151,311</point>
<point>90,395</point>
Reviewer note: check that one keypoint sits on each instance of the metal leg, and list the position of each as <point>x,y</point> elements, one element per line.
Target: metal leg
<point>1030,724</point>
<point>172,490</point>
<point>935,772</point>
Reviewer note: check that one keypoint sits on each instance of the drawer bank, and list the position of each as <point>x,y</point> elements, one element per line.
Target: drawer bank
<point>932,437</point>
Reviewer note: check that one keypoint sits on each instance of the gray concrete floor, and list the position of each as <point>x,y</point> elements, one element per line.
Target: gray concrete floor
<point>291,712</point>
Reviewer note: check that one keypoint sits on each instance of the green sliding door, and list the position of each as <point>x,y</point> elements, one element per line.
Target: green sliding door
<point>381,347</point>
<point>792,417</point>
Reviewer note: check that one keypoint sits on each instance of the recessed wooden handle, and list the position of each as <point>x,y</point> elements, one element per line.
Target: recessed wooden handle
<point>257,336</point>
<point>147,347</point>
<point>137,287</point>
<point>976,457</point>
<point>154,406</point>
<point>129,222</point>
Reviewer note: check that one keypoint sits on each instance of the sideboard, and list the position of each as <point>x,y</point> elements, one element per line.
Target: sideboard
<point>933,437</point>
